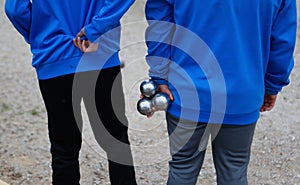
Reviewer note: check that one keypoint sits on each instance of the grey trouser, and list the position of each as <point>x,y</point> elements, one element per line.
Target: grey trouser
<point>230,149</point>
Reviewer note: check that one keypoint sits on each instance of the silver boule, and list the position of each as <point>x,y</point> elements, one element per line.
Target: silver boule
<point>144,106</point>
<point>160,101</point>
<point>148,88</point>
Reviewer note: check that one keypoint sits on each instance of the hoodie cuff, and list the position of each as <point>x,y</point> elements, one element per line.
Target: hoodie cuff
<point>160,81</point>
<point>271,92</point>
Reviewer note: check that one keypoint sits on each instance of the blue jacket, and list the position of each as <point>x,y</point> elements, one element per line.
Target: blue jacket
<point>220,57</point>
<point>50,25</point>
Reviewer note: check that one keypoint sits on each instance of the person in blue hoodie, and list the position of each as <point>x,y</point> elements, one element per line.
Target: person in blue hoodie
<point>221,63</point>
<point>75,46</point>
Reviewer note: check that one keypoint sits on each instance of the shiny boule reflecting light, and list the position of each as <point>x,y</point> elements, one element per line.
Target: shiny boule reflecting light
<point>144,106</point>
<point>148,88</point>
<point>160,101</point>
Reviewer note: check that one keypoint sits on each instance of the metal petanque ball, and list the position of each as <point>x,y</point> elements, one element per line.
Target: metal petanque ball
<point>148,88</point>
<point>144,106</point>
<point>160,101</point>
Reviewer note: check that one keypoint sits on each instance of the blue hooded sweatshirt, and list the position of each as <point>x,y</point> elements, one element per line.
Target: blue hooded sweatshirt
<point>219,57</point>
<point>50,25</point>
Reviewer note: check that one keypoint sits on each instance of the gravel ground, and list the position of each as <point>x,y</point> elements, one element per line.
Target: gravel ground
<point>24,151</point>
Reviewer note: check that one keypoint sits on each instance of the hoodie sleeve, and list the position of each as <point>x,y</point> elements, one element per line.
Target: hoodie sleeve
<point>107,19</point>
<point>19,13</point>
<point>159,33</point>
<point>283,40</point>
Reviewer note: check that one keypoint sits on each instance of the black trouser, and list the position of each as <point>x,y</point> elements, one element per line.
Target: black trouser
<point>103,97</point>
